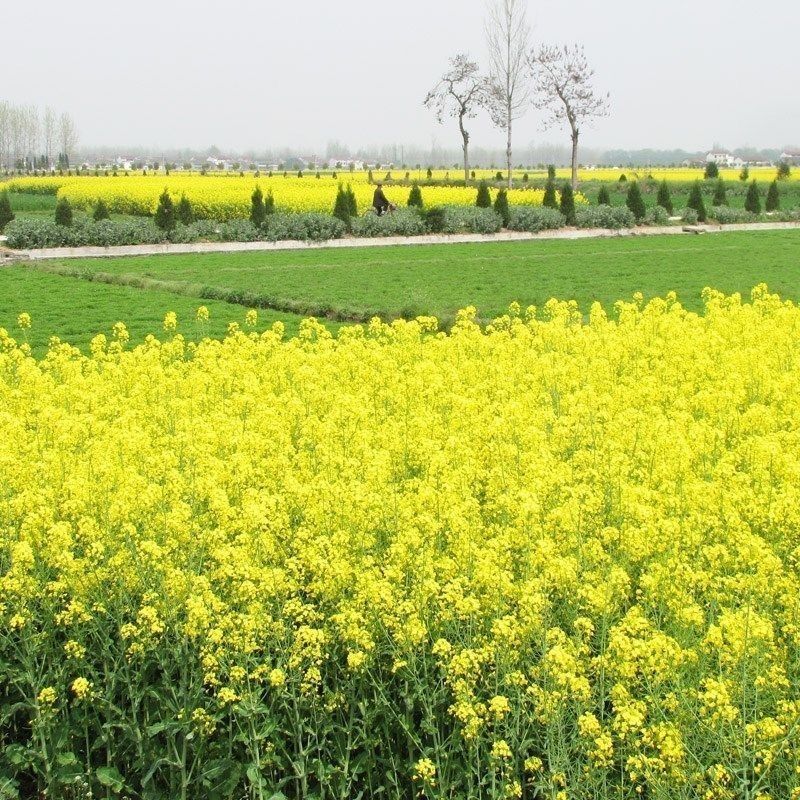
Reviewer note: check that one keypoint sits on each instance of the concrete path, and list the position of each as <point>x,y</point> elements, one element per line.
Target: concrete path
<point>465,238</point>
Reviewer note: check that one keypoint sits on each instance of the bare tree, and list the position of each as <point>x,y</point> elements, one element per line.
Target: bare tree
<point>17,131</point>
<point>49,132</point>
<point>67,136</point>
<point>460,92</point>
<point>562,80</point>
<point>5,134</point>
<point>31,128</point>
<point>507,35</point>
<point>24,135</point>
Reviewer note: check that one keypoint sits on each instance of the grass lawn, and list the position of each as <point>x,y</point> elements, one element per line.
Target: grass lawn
<point>32,205</point>
<point>440,279</point>
<point>76,310</point>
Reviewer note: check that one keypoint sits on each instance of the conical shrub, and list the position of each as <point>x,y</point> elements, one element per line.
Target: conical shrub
<point>484,199</point>
<point>184,212</point>
<point>697,203</point>
<point>550,199</point>
<point>352,203</point>
<point>664,198</point>
<point>567,204</point>
<point>100,211</point>
<point>752,202</point>
<point>257,212</point>
<point>635,202</point>
<point>165,212</point>
<point>63,212</point>
<point>415,197</point>
<point>501,207</point>
<point>773,197</point>
<point>341,206</point>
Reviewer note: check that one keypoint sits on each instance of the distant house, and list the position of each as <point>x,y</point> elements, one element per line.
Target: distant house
<point>791,157</point>
<point>724,159</point>
<point>346,164</point>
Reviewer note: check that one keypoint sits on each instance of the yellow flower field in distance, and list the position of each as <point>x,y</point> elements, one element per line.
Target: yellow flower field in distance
<point>556,557</point>
<point>228,197</point>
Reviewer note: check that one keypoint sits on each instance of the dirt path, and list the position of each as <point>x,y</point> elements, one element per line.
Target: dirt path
<point>7,255</point>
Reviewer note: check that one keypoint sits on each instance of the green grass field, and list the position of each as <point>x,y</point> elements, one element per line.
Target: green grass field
<point>39,205</point>
<point>440,279</point>
<point>344,284</point>
<point>75,310</point>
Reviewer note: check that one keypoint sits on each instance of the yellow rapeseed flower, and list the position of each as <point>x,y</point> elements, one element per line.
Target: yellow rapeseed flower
<point>81,688</point>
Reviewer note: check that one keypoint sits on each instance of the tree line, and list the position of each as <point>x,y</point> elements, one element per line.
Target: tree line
<point>556,80</point>
<point>33,139</point>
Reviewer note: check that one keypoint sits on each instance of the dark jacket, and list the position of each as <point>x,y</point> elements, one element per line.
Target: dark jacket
<point>379,199</point>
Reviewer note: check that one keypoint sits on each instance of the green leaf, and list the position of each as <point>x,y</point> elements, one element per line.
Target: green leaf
<point>9,788</point>
<point>69,773</point>
<point>255,777</point>
<point>17,755</point>
<point>153,730</point>
<point>66,759</point>
<point>110,777</point>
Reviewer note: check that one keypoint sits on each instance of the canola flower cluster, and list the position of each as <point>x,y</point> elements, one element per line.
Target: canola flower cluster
<point>555,557</point>
<point>224,198</point>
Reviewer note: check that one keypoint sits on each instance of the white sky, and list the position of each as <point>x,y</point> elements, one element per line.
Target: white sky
<point>263,74</point>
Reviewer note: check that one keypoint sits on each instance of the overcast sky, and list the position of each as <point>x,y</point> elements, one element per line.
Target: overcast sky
<point>265,74</point>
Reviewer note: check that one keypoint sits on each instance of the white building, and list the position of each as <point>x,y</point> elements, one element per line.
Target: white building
<point>218,163</point>
<point>723,159</point>
<point>345,164</point>
<point>791,157</point>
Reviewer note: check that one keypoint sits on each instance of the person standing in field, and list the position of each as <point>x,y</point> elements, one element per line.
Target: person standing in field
<point>379,201</point>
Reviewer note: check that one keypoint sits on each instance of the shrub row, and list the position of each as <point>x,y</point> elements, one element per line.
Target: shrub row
<point>34,233</point>
<point>403,222</point>
<point>413,221</point>
<point>614,217</point>
<point>311,226</point>
<point>31,233</point>
<point>471,219</point>
<point>726,215</point>
<point>534,219</point>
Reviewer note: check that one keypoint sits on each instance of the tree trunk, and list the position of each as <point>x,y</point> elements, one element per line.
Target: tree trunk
<point>575,135</point>
<point>465,148</point>
<point>508,151</point>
